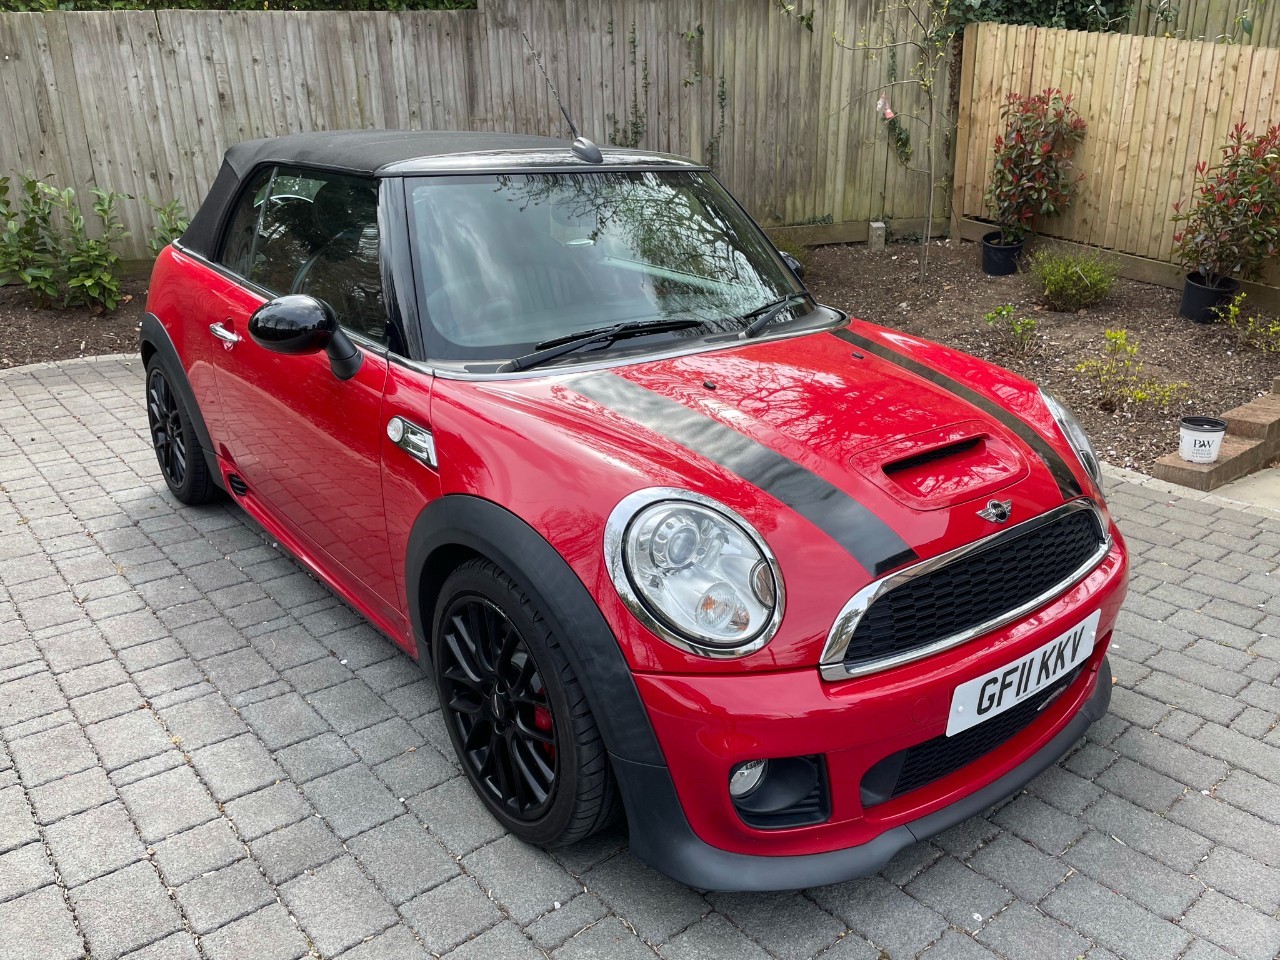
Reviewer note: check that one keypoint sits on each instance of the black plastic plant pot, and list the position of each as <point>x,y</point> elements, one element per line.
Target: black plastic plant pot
<point>1000,259</point>
<point>1200,300</point>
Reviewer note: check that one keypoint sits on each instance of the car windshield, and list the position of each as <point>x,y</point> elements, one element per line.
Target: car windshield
<point>506,263</point>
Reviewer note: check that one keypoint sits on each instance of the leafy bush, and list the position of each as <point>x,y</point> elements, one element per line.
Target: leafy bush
<point>1120,379</point>
<point>172,222</point>
<point>1018,333</point>
<point>1032,172</point>
<point>1231,227</point>
<point>1068,14</point>
<point>1067,282</point>
<point>1257,330</point>
<point>48,246</point>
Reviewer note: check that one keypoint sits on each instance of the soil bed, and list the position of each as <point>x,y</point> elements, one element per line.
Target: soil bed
<point>28,335</point>
<point>949,307</point>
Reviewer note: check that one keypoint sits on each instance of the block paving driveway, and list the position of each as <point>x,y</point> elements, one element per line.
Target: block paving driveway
<point>203,753</point>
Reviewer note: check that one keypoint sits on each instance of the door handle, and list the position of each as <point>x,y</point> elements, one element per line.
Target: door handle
<point>228,338</point>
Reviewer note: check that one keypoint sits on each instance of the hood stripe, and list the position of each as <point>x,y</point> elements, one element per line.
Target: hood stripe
<point>1062,475</point>
<point>866,537</point>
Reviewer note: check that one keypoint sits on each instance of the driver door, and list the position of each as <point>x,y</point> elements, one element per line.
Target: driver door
<point>304,443</point>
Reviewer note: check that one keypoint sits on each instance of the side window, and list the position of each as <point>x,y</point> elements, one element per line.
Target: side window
<point>314,233</point>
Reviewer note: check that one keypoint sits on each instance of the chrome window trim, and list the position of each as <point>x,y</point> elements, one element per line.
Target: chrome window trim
<point>832,664</point>
<point>615,533</point>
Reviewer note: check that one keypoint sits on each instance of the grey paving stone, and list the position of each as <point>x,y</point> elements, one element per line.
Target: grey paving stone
<point>1242,930</point>
<point>304,846</point>
<point>337,905</point>
<point>168,803</point>
<point>563,922</point>
<point>203,721</point>
<point>1238,751</point>
<point>1239,877</point>
<point>235,767</point>
<point>1040,824</point>
<point>456,815</point>
<point>238,671</point>
<point>283,721</point>
<point>1251,794</point>
<point>189,855</point>
<point>1141,785</point>
<point>1024,932</point>
<point>105,704</point>
<point>413,700</point>
<point>268,934</point>
<point>1141,879</point>
<point>270,809</point>
<point>153,653</point>
<point>1224,824</point>
<point>655,905</point>
<point>178,946</point>
<point>883,914</point>
<point>910,862</point>
<point>404,860</point>
<point>1114,921</point>
<point>129,738</point>
<point>963,896</point>
<point>450,913</point>
<point>503,942</point>
<point>143,769</point>
<point>352,801</point>
<point>51,754</point>
<point>788,925</point>
<point>39,927</point>
<point>524,880</point>
<point>123,911</point>
<point>398,943</point>
<point>93,843</point>
<point>1019,867</point>
<point>1144,831</point>
<point>317,675</point>
<point>350,706</point>
<point>162,680</point>
<point>24,871</point>
<point>607,940</point>
<point>288,647</point>
<point>415,771</point>
<point>215,899</point>
<point>316,757</point>
<point>957,946</point>
<point>385,740</point>
<point>29,697</point>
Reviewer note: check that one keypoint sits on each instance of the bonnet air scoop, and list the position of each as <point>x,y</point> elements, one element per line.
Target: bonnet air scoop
<point>944,466</point>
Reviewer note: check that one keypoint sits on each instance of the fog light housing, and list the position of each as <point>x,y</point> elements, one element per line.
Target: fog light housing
<point>745,778</point>
<point>781,792</point>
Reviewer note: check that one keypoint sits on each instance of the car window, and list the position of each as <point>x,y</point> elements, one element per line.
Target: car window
<point>299,231</point>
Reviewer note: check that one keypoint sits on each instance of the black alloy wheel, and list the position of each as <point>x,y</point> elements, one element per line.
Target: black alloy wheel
<point>498,704</point>
<point>177,447</point>
<point>515,712</point>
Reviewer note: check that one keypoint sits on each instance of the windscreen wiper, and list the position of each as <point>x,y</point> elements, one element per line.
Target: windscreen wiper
<point>765,315</point>
<point>551,349</point>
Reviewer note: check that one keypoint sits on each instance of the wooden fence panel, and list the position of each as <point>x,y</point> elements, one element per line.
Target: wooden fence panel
<point>146,102</point>
<point>1155,107</point>
<point>1211,20</point>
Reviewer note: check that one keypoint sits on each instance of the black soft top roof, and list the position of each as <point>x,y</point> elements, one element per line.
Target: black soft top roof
<point>360,152</point>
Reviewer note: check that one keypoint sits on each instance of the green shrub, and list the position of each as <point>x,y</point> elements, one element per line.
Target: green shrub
<point>797,250</point>
<point>172,223</point>
<point>1018,333</point>
<point>1257,330</point>
<point>1068,282</point>
<point>1120,379</point>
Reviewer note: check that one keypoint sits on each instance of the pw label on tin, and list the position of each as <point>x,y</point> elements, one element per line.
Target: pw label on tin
<point>993,693</point>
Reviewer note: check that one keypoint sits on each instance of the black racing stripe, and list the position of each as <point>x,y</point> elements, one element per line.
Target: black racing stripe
<point>1062,475</point>
<point>866,537</point>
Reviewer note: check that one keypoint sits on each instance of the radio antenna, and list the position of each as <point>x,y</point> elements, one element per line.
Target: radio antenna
<point>582,148</point>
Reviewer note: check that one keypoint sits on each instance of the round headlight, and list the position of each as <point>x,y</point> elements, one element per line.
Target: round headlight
<point>694,571</point>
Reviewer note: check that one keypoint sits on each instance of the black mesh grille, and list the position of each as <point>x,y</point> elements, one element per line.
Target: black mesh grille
<point>932,760</point>
<point>974,589</point>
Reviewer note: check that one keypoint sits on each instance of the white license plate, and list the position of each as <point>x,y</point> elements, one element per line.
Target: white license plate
<point>993,693</point>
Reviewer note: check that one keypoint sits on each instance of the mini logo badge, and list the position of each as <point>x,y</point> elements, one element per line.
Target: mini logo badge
<point>997,511</point>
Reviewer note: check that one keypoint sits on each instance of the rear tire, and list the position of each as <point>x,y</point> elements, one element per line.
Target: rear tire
<point>516,714</point>
<point>178,450</point>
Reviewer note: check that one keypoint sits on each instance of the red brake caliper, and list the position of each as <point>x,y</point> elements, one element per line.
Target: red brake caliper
<point>542,720</point>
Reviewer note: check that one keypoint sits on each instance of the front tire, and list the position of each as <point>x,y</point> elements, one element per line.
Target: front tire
<point>516,714</point>
<point>174,440</point>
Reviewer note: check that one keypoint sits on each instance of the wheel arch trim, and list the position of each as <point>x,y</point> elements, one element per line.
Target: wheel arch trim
<point>154,335</point>
<point>475,526</point>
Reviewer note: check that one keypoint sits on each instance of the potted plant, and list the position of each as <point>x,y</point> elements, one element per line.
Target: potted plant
<point>1231,227</point>
<point>1032,173</point>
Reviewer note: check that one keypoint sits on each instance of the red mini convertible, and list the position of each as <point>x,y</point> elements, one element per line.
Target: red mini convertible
<point>791,590</point>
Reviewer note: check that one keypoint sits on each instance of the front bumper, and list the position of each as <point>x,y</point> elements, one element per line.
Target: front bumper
<point>661,835</point>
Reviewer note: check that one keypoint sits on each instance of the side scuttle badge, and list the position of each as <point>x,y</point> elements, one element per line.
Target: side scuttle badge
<point>416,441</point>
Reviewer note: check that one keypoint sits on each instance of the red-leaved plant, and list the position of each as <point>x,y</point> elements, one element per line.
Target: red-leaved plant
<point>1033,170</point>
<point>1231,227</point>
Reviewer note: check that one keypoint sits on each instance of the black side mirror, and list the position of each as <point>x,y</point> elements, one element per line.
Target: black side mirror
<point>297,324</point>
<point>796,266</point>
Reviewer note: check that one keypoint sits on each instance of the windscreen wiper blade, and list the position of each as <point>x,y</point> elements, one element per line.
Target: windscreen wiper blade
<point>551,349</point>
<point>765,315</point>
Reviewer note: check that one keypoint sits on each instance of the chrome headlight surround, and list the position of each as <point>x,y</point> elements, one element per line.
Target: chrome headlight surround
<point>656,512</point>
<point>1075,435</point>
